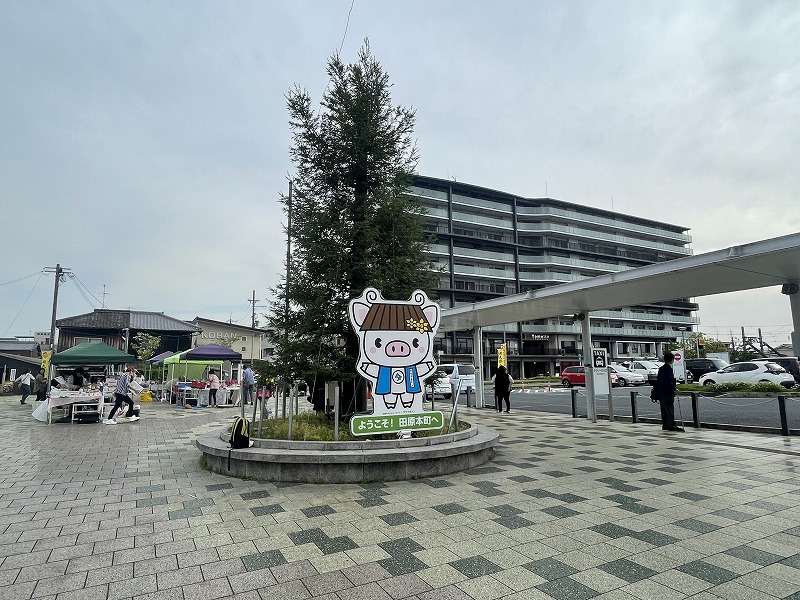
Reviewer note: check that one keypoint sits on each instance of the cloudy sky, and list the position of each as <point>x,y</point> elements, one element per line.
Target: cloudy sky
<point>144,144</point>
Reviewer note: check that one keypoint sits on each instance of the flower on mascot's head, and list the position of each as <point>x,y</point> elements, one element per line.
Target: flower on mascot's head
<point>422,326</point>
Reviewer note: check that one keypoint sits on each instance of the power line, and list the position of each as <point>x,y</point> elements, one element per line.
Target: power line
<point>347,25</point>
<point>80,290</point>
<point>24,303</point>
<point>85,288</point>
<point>21,278</point>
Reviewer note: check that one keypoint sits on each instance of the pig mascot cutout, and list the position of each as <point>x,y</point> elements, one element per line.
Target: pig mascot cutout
<point>395,348</point>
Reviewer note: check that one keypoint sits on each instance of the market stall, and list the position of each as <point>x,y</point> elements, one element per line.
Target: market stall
<point>88,401</point>
<point>193,365</point>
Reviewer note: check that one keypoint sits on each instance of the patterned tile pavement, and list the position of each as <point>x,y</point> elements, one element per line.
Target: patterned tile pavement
<point>567,510</point>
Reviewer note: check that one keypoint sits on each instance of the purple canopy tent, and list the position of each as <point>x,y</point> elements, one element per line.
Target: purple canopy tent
<point>212,352</point>
<point>159,358</point>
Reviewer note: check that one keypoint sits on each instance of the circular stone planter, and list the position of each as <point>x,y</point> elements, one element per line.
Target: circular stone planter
<point>350,462</point>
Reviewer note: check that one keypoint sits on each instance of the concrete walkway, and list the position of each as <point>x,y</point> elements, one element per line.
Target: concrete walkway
<point>567,510</point>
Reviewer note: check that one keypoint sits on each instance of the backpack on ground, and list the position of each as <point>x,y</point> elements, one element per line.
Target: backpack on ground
<point>240,433</point>
<point>240,436</point>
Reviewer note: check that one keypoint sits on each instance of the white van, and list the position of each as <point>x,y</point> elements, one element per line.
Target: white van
<point>463,373</point>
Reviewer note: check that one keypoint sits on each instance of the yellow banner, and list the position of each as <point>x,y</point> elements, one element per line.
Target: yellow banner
<point>501,356</point>
<point>46,360</point>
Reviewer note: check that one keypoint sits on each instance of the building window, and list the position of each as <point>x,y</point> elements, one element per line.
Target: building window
<point>244,338</point>
<point>244,348</point>
<point>88,340</point>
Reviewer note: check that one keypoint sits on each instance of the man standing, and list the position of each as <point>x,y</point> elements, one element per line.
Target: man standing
<point>40,386</point>
<point>664,390</point>
<point>25,381</point>
<point>120,396</point>
<point>248,384</point>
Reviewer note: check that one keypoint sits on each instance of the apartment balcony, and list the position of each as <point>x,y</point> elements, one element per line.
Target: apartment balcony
<point>601,235</point>
<point>594,220</point>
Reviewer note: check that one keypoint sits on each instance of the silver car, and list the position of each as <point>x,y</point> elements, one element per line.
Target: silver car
<point>626,376</point>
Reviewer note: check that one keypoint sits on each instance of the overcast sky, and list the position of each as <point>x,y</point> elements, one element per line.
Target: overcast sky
<point>144,145</point>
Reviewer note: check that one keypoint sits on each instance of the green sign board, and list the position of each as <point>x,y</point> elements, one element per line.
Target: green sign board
<point>369,424</point>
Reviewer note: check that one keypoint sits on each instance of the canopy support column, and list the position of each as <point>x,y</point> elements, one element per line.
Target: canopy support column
<point>591,403</point>
<point>794,303</point>
<point>477,346</point>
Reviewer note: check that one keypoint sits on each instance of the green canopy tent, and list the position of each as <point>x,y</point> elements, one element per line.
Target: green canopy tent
<point>193,370</point>
<point>92,354</point>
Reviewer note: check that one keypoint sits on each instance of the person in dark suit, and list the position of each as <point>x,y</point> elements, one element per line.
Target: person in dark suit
<point>664,390</point>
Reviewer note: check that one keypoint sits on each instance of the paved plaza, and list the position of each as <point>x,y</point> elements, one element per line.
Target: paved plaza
<point>567,510</point>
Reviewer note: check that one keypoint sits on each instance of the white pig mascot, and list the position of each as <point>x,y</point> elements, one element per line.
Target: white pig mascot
<point>396,347</point>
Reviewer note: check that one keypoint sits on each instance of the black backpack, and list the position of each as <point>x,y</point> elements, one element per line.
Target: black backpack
<point>240,433</point>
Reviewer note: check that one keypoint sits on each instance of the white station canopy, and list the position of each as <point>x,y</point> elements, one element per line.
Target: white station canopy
<point>759,264</point>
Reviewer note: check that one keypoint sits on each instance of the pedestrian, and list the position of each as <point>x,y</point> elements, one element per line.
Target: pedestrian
<point>213,386</point>
<point>40,386</point>
<point>25,381</point>
<point>121,396</point>
<point>664,393</point>
<point>248,384</point>
<point>502,388</point>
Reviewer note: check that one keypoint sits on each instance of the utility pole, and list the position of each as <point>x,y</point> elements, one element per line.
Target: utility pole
<point>60,272</point>
<point>288,271</point>
<point>253,325</point>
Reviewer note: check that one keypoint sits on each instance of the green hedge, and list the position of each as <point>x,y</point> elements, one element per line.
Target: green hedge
<point>724,388</point>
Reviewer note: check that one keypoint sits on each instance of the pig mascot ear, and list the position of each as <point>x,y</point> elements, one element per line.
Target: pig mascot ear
<point>432,314</point>
<point>358,312</point>
<point>429,309</point>
<point>359,307</point>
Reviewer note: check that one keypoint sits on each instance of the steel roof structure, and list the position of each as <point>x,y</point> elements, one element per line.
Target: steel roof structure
<point>766,263</point>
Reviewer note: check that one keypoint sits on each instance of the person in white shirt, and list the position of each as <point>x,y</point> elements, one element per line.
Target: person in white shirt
<point>25,381</point>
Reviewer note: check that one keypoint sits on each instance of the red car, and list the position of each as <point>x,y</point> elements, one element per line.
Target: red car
<point>577,376</point>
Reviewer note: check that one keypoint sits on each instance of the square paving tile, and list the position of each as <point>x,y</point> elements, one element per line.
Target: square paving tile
<point>627,570</point>
<point>504,510</point>
<point>271,509</point>
<point>401,546</point>
<point>754,555</point>
<point>567,589</point>
<point>549,568</point>
<point>691,496</point>
<point>450,509</point>
<point>318,511</point>
<point>401,564</point>
<point>560,511</point>
<point>264,560</point>
<point>513,522</point>
<point>707,572</point>
<point>400,518</point>
<point>475,566</point>
<point>697,525</point>
<point>254,495</point>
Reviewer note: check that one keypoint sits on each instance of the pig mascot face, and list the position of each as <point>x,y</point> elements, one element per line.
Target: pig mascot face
<point>396,348</point>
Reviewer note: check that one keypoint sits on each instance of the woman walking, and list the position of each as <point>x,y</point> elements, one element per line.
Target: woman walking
<point>502,388</point>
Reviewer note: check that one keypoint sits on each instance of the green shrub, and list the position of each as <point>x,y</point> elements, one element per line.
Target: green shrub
<point>736,386</point>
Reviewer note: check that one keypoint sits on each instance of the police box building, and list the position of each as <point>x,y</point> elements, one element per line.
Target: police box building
<point>490,244</point>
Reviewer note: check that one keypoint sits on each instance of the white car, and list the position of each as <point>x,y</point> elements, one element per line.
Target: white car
<point>626,376</point>
<point>440,388</point>
<point>750,372</point>
<point>646,368</point>
<point>459,372</point>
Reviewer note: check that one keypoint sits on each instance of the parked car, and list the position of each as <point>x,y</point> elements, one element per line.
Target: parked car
<point>441,387</point>
<point>700,366</point>
<point>464,373</point>
<point>750,372</point>
<point>646,368</point>
<point>577,376</point>
<point>790,363</point>
<point>626,376</point>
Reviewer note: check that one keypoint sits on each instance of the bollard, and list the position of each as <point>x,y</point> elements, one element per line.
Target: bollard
<point>336,414</point>
<point>695,411</point>
<point>574,393</point>
<point>284,393</point>
<point>634,408</point>
<point>262,404</point>
<point>782,410</point>
<point>289,437</point>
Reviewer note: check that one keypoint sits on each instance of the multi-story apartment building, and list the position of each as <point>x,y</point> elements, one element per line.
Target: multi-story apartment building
<point>490,243</point>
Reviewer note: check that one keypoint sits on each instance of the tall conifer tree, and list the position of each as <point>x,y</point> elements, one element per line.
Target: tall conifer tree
<point>352,224</point>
